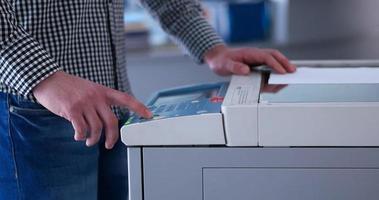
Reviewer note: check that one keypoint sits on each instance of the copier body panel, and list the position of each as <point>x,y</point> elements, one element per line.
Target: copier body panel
<point>258,141</point>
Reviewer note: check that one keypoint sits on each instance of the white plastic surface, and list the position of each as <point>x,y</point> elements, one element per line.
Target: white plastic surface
<point>309,75</point>
<point>203,129</point>
<point>317,124</point>
<point>240,110</point>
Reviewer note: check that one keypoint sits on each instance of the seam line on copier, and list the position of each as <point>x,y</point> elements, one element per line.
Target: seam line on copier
<point>142,175</point>
<point>202,183</point>
<point>354,168</point>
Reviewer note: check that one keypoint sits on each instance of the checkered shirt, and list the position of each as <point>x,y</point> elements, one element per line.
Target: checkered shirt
<point>85,38</point>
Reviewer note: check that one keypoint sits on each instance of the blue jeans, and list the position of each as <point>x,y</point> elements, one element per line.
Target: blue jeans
<point>39,158</point>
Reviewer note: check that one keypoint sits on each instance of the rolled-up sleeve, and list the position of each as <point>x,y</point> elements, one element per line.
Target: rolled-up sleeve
<point>183,20</point>
<point>23,61</point>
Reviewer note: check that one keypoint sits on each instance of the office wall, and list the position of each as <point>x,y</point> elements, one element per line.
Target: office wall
<point>311,20</point>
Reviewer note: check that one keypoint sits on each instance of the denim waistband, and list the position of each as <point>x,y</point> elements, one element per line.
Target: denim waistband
<point>19,101</point>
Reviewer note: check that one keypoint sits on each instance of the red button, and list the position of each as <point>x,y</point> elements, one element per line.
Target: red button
<point>216,99</point>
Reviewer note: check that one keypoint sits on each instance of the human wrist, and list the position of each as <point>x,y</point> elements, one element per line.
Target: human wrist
<point>214,52</point>
<point>44,83</point>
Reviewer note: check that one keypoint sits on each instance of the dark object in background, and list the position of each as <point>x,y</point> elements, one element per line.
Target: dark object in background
<point>238,21</point>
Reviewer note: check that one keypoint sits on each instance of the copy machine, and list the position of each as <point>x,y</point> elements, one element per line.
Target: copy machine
<point>247,139</point>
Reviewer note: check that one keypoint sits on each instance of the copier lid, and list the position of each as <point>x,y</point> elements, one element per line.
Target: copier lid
<point>318,93</point>
<point>318,115</point>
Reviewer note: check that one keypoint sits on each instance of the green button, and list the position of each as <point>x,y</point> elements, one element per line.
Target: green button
<point>129,121</point>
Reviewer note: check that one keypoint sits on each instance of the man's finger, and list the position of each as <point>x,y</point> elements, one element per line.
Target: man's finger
<point>80,127</point>
<point>283,60</point>
<point>117,98</point>
<point>238,68</point>
<point>95,127</point>
<point>274,64</point>
<point>110,123</point>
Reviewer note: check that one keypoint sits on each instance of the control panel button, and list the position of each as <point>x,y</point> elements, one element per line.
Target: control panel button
<point>170,108</point>
<point>216,99</point>
<point>201,111</point>
<point>182,106</point>
<point>158,117</point>
<point>160,108</point>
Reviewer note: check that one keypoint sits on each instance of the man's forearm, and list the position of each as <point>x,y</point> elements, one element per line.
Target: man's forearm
<point>23,61</point>
<point>183,20</point>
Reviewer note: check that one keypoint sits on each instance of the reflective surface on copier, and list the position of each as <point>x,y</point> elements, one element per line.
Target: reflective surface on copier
<point>311,93</point>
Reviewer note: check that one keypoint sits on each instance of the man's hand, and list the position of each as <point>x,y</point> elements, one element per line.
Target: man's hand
<point>225,61</point>
<point>86,105</point>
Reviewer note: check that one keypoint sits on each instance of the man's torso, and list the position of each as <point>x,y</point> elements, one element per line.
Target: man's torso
<point>85,37</point>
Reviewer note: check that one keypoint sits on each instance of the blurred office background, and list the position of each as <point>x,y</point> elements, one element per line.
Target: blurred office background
<point>301,29</point>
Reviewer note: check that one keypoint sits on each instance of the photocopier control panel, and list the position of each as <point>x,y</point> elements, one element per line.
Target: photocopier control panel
<point>188,101</point>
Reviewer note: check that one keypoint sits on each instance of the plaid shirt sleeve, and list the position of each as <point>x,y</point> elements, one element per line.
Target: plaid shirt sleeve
<point>184,22</point>
<point>23,61</point>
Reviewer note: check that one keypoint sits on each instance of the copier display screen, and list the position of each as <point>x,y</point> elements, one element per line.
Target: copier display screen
<point>186,97</point>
